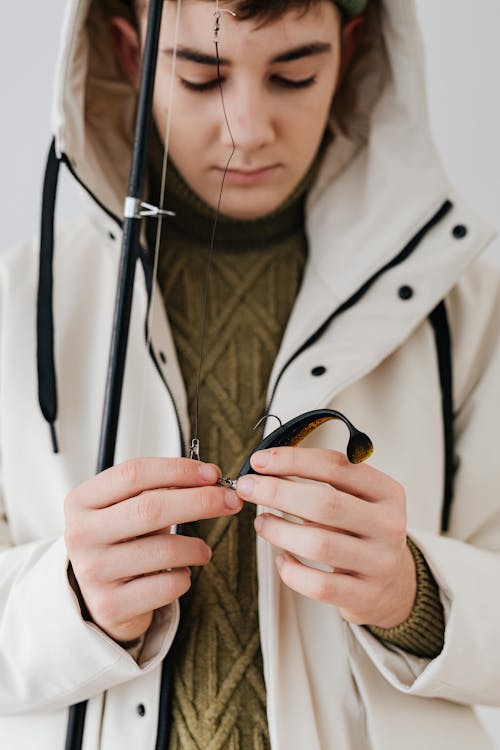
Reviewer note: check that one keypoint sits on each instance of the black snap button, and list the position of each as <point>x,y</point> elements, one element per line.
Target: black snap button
<point>405,292</point>
<point>111,236</point>
<point>163,357</point>
<point>317,371</point>
<point>141,709</point>
<point>459,231</point>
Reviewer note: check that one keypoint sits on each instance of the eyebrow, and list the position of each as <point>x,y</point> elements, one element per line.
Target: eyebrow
<point>296,53</point>
<point>306,50</point>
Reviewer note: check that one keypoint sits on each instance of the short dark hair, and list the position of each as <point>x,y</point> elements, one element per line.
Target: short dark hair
<point>262,10</point>
<point>268,10</point>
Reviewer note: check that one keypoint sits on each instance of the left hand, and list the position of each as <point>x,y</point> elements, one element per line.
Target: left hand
<point>354,521</point>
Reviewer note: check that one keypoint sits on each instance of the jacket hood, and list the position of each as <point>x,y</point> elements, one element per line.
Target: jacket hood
<point>379,115</point>
<point>377,190</point>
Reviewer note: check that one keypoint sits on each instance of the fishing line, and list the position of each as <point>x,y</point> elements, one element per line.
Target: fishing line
<point>194,451</point>
<point>152,297</point>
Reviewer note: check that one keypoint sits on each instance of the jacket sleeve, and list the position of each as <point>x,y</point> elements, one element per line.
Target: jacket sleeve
<point>50,657</point>
<point>466,562</point>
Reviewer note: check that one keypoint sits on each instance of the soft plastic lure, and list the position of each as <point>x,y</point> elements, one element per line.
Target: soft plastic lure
<point>293,432</point>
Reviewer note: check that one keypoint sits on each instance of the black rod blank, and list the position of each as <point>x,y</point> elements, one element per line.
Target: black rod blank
<point>130,245</point>
<point>124,294</point>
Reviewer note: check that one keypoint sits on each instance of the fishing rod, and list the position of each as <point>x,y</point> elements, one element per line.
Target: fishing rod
<point>134,211</point>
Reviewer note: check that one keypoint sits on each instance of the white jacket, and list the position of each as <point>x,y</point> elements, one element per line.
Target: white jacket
<point>372,198</point>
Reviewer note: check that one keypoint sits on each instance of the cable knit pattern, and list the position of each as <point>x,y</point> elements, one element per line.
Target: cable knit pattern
<point>219,696</point>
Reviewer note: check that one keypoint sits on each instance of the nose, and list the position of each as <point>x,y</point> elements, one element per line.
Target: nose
<point>249,117</point>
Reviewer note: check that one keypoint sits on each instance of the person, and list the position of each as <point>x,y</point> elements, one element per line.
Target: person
<point>344,275</point>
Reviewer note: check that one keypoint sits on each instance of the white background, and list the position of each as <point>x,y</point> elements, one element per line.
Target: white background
<point>461,39</point>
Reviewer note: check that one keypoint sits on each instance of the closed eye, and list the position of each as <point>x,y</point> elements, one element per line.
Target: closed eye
<point>292,83</point>
<point>205,86</point>
<point>287,83</point>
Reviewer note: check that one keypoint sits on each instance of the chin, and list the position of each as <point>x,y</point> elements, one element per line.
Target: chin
<point>246,210</point>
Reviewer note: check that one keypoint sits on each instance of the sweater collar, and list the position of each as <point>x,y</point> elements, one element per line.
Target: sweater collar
<point>194,218</point>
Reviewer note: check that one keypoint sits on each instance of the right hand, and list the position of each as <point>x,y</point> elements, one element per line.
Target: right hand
<point>125,560</point>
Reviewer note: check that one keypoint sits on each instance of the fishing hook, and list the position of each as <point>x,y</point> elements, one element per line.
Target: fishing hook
<point>267,416</point>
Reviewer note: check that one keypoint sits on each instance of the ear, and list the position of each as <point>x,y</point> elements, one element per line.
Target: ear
<point>127,48</point>
<point>351,35</point>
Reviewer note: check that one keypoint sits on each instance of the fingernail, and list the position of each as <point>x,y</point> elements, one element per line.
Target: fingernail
<point>258,523</point>
<point>208,473</point>
<point>231,499</point>
<point>260,459</point>
<point>245,486</point>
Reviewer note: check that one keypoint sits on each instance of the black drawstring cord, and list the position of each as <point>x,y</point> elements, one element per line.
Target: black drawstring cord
<point>47,386</point>
<point>441,326</point>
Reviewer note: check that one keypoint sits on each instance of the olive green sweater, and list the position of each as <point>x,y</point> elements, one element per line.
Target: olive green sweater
<point>219,698</point>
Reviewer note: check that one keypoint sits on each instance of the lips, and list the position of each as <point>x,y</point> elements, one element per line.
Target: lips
<point>247,176</point>
<point>254,170</point>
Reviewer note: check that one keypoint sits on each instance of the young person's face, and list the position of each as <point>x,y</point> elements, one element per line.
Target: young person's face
<point>278,81</point>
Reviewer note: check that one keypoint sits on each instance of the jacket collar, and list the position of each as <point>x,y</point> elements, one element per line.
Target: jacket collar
<point>349,341</point>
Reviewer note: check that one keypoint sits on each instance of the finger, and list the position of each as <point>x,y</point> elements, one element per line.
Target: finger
<point>139,475</point>
<point>342,590</point>
<point>317,502</point>
<point>327,466</point>
<point>160,509</point>
<point>141,595</point>
<point>151,554</point>
<point>316,544</point>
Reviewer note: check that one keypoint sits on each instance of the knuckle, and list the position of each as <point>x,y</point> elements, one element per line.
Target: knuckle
<point>399,494</point>
<point>338,461</point>
<point>291,457</point>
<point>104,608</point>
<point>174,585</point>
<point>401,534</point>
<point>74,536</point>
<point>209,499</point>
<point>69,504</point>
<point>162,552</point>
<point>396,526</point>
<point>329,501</point>
<point>180,468</point>
<point>69,538</point>
<point>272,492</point>
<point>322,589</point>
<point>202,551</point>
<point>130,472</point>
<point>149,510</point>
<point>321,548</point>
<point>89,570</point>
<point>184,581</point>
